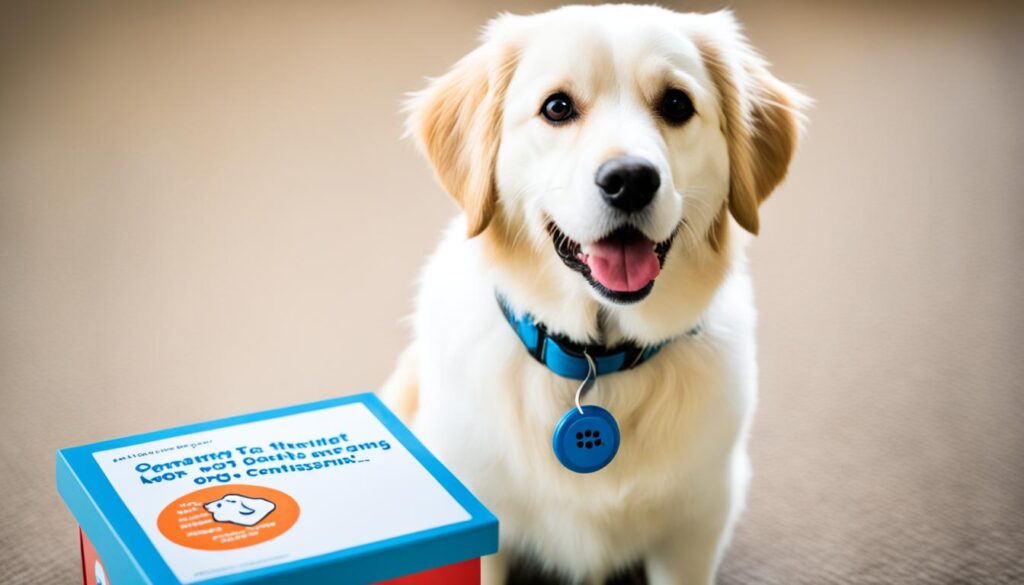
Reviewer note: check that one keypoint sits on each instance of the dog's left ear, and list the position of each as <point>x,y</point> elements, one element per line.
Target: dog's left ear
<point>457,121</point>
<point>761,116</point>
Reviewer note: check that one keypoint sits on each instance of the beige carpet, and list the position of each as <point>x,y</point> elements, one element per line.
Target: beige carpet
<point>187,196</point>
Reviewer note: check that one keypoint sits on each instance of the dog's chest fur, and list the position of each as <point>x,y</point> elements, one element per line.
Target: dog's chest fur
<point>488,410</point>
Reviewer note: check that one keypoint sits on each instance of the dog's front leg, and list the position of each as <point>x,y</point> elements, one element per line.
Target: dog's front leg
<point>691,552</point>
<point>494,569</point>
<point>690,556</point>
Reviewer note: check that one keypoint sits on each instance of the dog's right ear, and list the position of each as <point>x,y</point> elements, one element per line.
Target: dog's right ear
<point>457,122</point>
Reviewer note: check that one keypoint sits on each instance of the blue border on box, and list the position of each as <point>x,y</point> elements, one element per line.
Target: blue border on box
<point>129,556</point>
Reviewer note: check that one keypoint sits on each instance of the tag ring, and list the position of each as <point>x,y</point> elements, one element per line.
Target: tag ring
<point>588,382</point>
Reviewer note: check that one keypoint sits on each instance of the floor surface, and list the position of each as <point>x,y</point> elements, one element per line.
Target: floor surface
<point>207,210</point>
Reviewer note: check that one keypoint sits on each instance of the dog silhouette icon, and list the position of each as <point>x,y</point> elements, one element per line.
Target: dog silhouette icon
<point>239,509</point>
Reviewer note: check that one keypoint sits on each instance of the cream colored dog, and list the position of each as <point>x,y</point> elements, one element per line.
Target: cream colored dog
<point>600,156</point>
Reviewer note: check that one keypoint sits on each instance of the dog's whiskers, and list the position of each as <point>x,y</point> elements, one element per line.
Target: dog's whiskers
<point>702,212</point>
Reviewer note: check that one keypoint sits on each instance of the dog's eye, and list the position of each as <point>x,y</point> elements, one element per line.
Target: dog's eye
<point>558,108</point>
<point>676,107</point>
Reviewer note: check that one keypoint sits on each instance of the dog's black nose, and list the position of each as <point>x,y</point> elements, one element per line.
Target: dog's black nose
<point>628,182</point>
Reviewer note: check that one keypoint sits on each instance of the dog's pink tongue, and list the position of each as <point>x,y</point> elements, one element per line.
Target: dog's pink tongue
<point>623,266</point>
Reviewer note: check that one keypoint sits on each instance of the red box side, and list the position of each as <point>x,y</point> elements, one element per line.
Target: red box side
<point>464,573</point>
<point>89,560</point>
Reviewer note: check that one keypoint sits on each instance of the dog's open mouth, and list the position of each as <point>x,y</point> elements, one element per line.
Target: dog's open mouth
<point>622,266</point>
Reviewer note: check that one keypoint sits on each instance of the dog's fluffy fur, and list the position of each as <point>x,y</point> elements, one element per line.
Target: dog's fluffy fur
<point>466,384</point>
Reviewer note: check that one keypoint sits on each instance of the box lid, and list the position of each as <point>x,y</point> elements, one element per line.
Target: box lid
<point>332,491</point>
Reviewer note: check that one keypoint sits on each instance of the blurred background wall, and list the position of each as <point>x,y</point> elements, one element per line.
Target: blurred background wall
<point>205,209</point>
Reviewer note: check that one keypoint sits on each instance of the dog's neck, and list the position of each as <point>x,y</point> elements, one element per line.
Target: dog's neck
<point>569,359</point>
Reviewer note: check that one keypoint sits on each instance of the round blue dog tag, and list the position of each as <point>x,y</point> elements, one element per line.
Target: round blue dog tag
<point>586,442</point>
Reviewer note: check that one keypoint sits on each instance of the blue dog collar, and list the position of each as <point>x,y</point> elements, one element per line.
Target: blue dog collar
<point>566,357</point>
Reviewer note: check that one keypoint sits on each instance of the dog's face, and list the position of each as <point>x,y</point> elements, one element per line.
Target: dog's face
<point>606,136</point>
<point>610,141</point>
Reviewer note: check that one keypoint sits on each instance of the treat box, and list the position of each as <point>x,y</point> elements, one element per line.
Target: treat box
<point>337,491</point>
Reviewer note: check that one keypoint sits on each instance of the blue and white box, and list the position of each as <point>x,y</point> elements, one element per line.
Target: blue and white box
<point>337,491</point>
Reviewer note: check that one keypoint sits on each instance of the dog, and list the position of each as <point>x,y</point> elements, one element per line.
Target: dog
<point>609,163</point>
<point>240,510</point>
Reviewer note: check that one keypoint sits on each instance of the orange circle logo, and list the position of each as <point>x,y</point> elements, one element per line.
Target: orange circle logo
<point>228,516</point>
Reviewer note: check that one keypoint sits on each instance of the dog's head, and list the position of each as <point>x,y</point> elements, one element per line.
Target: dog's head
<point>615,133</point>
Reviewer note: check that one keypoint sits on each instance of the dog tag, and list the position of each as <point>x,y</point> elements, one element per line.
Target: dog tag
<point>586,441</point>
<point>587,437</point>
